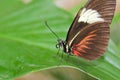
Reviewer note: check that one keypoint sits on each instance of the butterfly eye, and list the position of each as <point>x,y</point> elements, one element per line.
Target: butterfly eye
<point>57,46</point>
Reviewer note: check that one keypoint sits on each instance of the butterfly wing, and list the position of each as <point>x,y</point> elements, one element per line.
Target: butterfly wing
<point>91,42</point>
<point>89,33</point>
<point>103,9</point>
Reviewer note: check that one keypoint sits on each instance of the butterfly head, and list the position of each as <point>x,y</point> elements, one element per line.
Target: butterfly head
<point>62,44</point>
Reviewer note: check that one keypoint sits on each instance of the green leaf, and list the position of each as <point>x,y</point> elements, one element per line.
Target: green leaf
<point>116,18</point>
<point>26,44</point>
<point>58,73</point>
<point>115,33</point>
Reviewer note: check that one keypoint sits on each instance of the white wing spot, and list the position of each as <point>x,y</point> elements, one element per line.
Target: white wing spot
<point>90,16</point>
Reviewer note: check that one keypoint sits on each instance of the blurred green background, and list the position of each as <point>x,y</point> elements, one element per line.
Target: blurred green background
<point>27,47</point>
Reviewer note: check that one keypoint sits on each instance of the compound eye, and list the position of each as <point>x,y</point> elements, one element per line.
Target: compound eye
<point>57,46</point>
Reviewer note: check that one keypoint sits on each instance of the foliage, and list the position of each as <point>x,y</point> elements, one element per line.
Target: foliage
<point>27,45</point>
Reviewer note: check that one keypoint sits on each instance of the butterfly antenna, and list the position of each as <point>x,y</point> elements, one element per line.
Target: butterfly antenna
<point>51,29</point>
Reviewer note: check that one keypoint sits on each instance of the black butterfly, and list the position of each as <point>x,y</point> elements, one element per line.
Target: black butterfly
<point>89,33</point>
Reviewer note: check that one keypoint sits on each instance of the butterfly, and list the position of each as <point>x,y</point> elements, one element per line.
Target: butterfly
<point>88,35</point>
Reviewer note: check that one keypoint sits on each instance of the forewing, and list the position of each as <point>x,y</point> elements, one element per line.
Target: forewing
<point>105,7</point>
<point>75,27</point>
<point>94,11</point>
<point>91,42</point>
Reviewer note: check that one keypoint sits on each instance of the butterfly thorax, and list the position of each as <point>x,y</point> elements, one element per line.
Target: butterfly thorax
<point>62,44</point>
